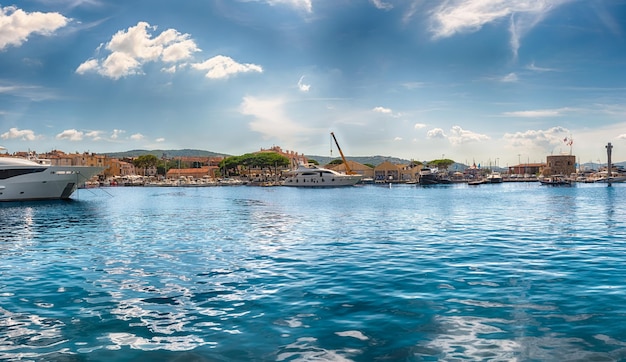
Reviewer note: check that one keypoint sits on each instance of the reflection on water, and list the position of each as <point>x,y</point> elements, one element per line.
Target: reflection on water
<point>512,272</point>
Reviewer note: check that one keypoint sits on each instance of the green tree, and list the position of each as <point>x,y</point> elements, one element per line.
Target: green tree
<point>230,163</point>
<point>261,160</point>
<point>441,163</point>
<point>145,161</point>
<point>336,162</point>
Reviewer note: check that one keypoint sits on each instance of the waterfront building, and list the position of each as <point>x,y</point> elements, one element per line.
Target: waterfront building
<point>391,172</point>
<point>295,159</point>
<point>560,165</point>
<point>527,168</point>
<point>195,173</point>
<point>356,167</point>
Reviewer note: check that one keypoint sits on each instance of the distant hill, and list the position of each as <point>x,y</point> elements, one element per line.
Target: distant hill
<point>323,160</point>
<point>371,160</point>
<point>168,153</point>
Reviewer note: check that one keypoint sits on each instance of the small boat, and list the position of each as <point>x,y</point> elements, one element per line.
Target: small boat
<point>23,179</point>
<point>311,175</point>
<point>614,178</point>
<point>556,180</point>
<point>479,181</point>
<point>494,178</point>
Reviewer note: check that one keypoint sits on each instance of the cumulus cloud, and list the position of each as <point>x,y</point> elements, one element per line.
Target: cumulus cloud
<point>436,133</point>
<point>94,135</point>
<point>223,67</point>
<point>545,140</point>
<point>23,134</point>
<point>161,139</point>
<point>70,135</point>
<point>302,86</point>
<point>457,135</point>
<point>117,133</point>
<point>466,16</point>
<point>137,137</point>
<point>382,110</point>
<point>460,136</point>
<point>419,126</point>
<point>16,25</point>
<point>130,49</point>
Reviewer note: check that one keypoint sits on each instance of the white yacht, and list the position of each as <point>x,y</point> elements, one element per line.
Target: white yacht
<point>35,179</point>
<point>494,178</point>
<point>313,176</point>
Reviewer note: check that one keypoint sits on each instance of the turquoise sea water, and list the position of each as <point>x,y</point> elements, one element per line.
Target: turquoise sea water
<point>510,272</point>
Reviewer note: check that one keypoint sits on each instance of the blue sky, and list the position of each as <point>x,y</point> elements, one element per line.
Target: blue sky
<point>490,81</point>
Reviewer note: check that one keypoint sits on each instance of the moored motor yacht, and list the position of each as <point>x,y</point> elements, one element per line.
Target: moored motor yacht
<point>311,175</point>
<point>36,179</point>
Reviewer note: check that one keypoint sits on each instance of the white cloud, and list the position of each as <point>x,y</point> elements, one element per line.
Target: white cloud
<point>94,135</point>
<point>161,139</point>
<point>170,70</point>
<point>398,139</point>
<point>137,137</point>
<point>130,49</point>
<point>16,25</point>
<point>221,67</point>
<point>457,135</point>
<point>24,134</point>
<point>117,133</point>
<point>460,136</point>
<point>304,5</point>
<point>270,119</point>
<point>538,113</point>
<point>382,110</point>
<point>622,136</point>
<point>544,140</point>
<point>436,133</point>
<point>88,66</point>
<point>71,135</point>
<point>419,126</point>
<point>379,4</point>
<point>303,87</point>
<point>509,78</point>
<point>466,16</point>
<point>535,68</point>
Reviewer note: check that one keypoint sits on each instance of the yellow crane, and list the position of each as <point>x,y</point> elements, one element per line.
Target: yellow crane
<point>345,162</point>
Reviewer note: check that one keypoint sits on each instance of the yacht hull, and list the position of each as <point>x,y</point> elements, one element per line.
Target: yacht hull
<point>337,181</point>
<point>313,176</point>
<point>38,182</point>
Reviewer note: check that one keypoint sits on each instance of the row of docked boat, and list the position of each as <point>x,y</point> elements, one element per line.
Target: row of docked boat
<point>431,176</point>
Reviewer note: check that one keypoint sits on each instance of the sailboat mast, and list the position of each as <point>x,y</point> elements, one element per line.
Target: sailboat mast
<point>348,170</point>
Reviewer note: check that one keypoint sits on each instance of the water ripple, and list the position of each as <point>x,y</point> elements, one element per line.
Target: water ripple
<point>367,273</point>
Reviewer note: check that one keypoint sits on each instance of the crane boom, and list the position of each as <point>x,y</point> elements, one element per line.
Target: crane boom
<point>348,170</point>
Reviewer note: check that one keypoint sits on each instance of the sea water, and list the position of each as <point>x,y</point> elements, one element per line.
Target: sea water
<point>507,272</point>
